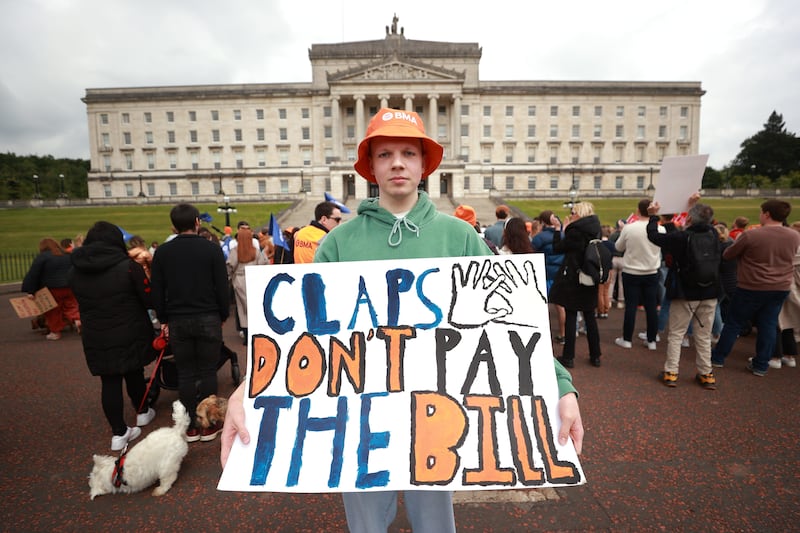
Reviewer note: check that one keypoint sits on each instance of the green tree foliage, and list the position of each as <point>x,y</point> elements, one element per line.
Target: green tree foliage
<point>17,183</point>
<point>712,179</point>
<point>772,152</point>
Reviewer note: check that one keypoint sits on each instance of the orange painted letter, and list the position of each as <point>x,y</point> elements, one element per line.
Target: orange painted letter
<point>265,363</point>
<point>305,367</point>
<point>489,472</point>
<point>438,428</point>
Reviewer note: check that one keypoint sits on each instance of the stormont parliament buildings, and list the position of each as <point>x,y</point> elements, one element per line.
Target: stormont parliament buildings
<point>279,140</point>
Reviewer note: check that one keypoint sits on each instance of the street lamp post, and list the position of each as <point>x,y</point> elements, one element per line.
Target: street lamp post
<point>141,190</point>
<point>36,194</point>
<point>573,189</point>
<point>62,194</point>
<point>752,187</point>
<point>651,188</point>
<point>226,208</point>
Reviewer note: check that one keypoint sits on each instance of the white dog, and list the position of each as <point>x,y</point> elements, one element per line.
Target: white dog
<point>156,458</point>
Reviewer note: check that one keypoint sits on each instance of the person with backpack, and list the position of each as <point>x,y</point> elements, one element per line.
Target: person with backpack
<point>581,227</point>
<point>692,286</point>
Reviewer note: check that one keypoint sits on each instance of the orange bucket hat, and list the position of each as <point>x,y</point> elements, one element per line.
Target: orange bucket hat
<point>466,213</point>
<point>396,123</point>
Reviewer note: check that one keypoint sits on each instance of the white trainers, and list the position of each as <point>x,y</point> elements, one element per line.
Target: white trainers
<point>685,342</point>
<point>619,341</point>
<point>118,442</point>
<point>651,346</point>
<point>643,336</point>
<point>142,419</point>
<point>774,363</point>
<point>789,361</point>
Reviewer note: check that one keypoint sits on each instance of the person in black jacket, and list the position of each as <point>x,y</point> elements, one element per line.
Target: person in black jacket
<point>191,297</point>
<point>689,304</point>
<point>114,295</point>
<point>580,227</point>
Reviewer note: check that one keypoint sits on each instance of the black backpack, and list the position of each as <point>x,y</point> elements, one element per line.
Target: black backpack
<point>596,264</point>
<point>703,257</point>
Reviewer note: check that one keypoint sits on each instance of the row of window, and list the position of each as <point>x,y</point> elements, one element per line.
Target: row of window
<point>238,136</point>
<point>305,134</point>
<point>554,182</point>
<point>236,114</point>
<point>597,131</point>
<point>150,188</point>
<point>214,114</point>
<point>619,111</point>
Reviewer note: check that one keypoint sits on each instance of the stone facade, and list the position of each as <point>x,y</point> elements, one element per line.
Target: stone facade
<point>270,141</point>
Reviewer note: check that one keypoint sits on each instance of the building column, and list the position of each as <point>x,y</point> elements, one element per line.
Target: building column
<point>433,116</point>
<point>409,98</point>
<point>360,126</point>
<point>384,98</point>
<point>455,142</point>
<point>336,140</point>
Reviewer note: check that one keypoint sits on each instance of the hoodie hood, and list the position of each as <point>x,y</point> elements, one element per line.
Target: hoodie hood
<point>589,226</point>
<point>97,257</point>
<point>409,226</point>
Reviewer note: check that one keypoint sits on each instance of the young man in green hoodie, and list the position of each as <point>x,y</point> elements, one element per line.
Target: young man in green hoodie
<point>402,223</point>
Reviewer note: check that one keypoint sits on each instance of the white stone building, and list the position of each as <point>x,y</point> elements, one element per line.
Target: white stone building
<point>270,141</point>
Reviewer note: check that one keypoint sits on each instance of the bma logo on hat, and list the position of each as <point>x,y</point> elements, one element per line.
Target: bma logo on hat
<point>389,115</point>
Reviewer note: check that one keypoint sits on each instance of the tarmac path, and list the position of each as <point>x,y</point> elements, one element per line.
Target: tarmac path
<point>656,459</point>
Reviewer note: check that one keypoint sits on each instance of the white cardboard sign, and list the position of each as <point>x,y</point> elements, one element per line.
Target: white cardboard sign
<point>426,374</point>
<point>679,177</point>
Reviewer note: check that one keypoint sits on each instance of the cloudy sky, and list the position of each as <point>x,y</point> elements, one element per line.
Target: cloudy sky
<point>746,53</point>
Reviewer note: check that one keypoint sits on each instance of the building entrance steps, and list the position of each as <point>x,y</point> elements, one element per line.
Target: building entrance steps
<point>303,212</point>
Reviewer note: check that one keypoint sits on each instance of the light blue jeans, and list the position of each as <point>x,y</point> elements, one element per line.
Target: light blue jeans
<point>373,512</point>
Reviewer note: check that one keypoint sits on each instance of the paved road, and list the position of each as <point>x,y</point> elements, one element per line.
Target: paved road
<point>681,459</point>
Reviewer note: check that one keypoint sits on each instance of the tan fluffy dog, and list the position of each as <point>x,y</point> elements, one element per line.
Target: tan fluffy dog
<point>211,410</point>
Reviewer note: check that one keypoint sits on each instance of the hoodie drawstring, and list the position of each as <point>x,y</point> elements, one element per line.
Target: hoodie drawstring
<point>399,232</point>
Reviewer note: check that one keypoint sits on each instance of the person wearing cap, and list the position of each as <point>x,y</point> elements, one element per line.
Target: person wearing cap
<point>468,215</point>
<point>327,216</point>
<point>401,223</point>
<point>495,232</point>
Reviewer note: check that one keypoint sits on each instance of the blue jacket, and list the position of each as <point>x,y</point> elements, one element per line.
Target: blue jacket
<point>543,242</point>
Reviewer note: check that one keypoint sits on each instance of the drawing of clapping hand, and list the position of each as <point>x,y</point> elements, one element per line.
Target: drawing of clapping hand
<point>495,293</point>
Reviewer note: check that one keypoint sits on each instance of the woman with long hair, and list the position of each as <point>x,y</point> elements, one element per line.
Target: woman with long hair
<point>242,255</point>
<point>50,269</point>
<point>516,239</point>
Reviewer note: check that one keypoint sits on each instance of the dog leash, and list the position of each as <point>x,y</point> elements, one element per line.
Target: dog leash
<point>159,343</point>
<point>119,468</point>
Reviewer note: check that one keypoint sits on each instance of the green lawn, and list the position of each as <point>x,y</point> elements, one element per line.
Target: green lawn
<point>612,210</point>
<point>23,228</point>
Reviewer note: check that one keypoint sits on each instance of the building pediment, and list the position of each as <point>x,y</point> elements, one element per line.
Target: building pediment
<point>396,70</point>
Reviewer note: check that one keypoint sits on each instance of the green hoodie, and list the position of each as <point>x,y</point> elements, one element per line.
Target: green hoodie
<point>377,234</point>
<point>423,232</point>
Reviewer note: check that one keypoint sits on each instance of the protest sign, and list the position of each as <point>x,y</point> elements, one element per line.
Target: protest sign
<point>27,307</point>
<point>679,177</point>
<point>427,374</point>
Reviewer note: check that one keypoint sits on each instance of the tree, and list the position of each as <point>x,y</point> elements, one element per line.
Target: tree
<point>772,152</point>
<point>712,179</point>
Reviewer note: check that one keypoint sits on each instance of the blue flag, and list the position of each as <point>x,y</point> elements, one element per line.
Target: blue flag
<point>276,233</point>
<point>125,235</point>
<point>343,208</point>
